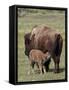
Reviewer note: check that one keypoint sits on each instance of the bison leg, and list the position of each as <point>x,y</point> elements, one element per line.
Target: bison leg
<point>57,61</point>
<point>47,65</point>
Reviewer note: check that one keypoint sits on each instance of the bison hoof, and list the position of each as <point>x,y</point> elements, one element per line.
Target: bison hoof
<point>56,71</point>
<point>47,70</point>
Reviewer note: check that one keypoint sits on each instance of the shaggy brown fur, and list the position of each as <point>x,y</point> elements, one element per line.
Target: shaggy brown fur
<point>45,39</point>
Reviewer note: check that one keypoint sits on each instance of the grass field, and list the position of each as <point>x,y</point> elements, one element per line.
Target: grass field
<point>54,20</point>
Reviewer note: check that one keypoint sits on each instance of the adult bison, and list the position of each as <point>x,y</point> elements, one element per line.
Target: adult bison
<point>45,39</point>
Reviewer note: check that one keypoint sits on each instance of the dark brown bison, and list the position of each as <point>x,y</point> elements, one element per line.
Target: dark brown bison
<point>45,39</point>
<point>39,58</point>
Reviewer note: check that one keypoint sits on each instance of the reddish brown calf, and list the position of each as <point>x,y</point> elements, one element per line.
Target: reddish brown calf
<point>39,58</point>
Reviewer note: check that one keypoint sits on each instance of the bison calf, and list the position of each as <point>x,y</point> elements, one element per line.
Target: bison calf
<point>39,58</point>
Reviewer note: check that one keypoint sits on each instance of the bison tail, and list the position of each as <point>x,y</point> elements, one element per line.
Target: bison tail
<point>59,44</point>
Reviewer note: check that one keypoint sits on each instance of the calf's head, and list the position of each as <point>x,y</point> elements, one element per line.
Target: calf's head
<point>47,56</point>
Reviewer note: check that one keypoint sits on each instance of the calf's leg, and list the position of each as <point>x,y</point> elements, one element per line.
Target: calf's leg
<point>41,68</point>
<point>32,65</point>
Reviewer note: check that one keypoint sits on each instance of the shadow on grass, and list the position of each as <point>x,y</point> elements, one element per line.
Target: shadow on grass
<point>60,70</point>
<point>50,70</point>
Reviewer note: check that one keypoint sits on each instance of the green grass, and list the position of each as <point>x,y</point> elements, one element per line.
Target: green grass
<point>25,24</point>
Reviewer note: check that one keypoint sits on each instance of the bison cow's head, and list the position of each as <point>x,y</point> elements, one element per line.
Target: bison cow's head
<point>27,43</point>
